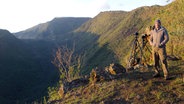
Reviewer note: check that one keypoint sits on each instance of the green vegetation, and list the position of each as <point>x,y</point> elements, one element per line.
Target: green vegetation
<point>113,32</point>
<point>27,74</point>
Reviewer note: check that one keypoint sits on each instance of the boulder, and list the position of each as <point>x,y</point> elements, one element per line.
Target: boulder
<point>99,74</point>
<point>115,69</point>
<point>108,73</point>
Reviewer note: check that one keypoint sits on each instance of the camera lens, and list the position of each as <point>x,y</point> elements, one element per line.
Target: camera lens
<point>136,33</point>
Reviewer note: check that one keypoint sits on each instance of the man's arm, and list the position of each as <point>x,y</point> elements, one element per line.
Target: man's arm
<point>166,38</point>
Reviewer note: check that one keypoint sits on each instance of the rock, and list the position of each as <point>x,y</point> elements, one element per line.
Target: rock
<point>98,74</point>
<point>115,69</point>
<point>108,73</point>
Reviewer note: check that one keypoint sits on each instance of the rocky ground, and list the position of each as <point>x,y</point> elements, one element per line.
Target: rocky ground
<point>135,87</point>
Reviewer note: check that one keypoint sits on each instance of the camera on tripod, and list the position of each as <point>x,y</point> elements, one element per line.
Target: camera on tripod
<point>136,33</point>
<point>137,54</point>
<point>145,36</point>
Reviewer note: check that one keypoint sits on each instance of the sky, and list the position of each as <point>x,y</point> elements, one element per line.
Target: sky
<point>18,15</point>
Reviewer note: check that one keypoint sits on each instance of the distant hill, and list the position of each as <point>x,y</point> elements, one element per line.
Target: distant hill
<point>51,29</point>
<point>25,73</point>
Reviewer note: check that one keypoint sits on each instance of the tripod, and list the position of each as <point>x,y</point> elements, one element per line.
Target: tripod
<point>136,53</point>
<point>137,57</point>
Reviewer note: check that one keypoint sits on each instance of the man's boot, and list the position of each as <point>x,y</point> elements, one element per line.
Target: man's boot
<point>166,77</point>
<point>156,74</point>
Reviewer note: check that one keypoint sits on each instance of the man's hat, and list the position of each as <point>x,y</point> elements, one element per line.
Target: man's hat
<point>158,21</point>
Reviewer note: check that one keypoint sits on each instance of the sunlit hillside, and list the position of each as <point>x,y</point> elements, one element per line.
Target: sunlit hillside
<point>28,74</point>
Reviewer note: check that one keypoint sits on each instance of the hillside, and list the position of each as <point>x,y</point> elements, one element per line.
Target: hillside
<point>102,40</point>
<point>135,87</point>
<point>112,32</point>
<point>24,74</point>
<point>107,38</point>
<point>52,29</point>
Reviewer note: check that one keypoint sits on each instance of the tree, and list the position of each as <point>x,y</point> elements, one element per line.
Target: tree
<point>67,63</point>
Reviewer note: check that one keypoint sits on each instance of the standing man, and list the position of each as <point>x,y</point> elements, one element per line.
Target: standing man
<point>158,39</point>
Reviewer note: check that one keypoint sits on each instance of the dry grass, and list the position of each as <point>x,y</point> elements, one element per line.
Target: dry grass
<point>133,87</point>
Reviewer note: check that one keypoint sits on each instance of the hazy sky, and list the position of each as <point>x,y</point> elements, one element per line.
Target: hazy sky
<point>17,15</point>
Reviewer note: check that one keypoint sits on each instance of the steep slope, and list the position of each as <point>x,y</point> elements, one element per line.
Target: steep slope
<point>51,29</point>
<point>114,31</point>
<point>23,75</point>
<point>114,39</point>
<point>110,25</point>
